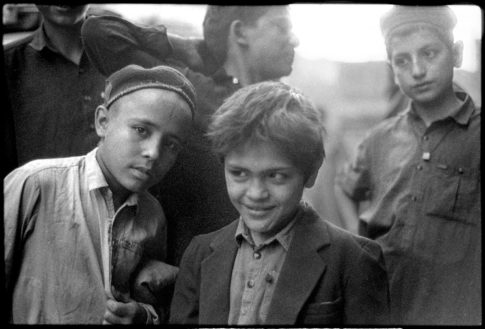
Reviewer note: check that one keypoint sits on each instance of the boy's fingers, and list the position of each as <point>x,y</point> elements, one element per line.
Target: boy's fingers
<point>113,318</point>
<point>117,308</point>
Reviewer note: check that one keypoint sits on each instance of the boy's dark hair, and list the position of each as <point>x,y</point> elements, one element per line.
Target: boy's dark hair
<point>217,22</point>
<point>272,112</point>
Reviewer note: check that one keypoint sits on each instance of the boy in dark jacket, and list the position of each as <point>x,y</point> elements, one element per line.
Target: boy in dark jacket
<point>279,263</point>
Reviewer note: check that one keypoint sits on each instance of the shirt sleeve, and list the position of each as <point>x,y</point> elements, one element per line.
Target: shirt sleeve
<point>354,177</point>
<point>112,43</point>
<point>21,196</point>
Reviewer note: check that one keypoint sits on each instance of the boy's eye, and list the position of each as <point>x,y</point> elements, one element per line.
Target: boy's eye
<point>278,177</point>
<point>283,27</point>
<point>140,130</point>
<point>400,61</point>
<point>238,173</point>
<point>173,146</point>
<point>430,53</point>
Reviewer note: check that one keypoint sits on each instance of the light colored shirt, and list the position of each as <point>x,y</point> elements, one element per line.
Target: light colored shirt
<point>255,273</point>
<point>63,250</point>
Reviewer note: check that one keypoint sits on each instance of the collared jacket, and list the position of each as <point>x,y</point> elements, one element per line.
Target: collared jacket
<point>329,277</point>
<point>65,245</point>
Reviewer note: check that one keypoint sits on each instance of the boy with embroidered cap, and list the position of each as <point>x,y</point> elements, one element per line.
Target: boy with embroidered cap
<point>279,263</point>
<point>420,173</point>
<point>78,229</point>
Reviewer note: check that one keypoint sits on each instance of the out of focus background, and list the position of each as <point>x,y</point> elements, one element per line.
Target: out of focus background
<point>340,64</point>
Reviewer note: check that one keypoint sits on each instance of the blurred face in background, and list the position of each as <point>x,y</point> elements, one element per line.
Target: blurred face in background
<point>271,45</point>
<point>63,15</point>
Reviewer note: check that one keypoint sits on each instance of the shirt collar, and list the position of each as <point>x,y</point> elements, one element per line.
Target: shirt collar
<point>284,236</point>
<point>462,116</point>
<point>41,41</point>
<point>96,179</point>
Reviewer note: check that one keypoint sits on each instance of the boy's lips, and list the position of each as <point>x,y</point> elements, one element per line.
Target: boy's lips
<point>142,172</point>
<point>422,86</point>
<point>258,210</point>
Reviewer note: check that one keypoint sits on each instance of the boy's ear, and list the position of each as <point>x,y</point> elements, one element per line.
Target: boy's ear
<point>101,119</point>
<point>457,53</point>
<point>237,32</point>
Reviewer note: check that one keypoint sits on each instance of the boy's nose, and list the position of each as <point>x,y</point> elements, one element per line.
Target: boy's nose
<point>418,68</point>
<point>152,149</point>
<point>257,190</point>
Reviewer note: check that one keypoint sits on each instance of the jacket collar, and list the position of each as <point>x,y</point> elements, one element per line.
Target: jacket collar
<point>303,262</point>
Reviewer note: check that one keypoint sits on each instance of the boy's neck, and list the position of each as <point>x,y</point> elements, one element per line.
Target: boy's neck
<point>120,194</point>
<point>67,40</point>
<point>236,65</point>
<point>259,238</point>
<point>238,71</point>
<point>439,109</point>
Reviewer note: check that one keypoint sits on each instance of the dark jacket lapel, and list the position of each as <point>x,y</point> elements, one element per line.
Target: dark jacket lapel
<point>301,271</point>
<point>216,278</point>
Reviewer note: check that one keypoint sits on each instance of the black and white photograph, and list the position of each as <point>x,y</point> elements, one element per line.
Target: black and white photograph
<point>292,165</point>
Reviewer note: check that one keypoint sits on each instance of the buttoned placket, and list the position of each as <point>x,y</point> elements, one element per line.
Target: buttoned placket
<point>107,237</point>
<point>255,268</point>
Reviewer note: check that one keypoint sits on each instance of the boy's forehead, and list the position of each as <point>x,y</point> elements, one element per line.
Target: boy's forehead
<point>258,152</point>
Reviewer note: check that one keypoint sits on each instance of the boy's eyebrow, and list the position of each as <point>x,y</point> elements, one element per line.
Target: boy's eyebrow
<point>237,166</point>
<point>143,121</point>
<point>152,124</point>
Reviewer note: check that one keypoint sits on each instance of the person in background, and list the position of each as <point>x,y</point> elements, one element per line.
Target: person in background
<point>52,90</point>
<point>83,237</point>
<point>241,45</point>
<point>278,263</point>
<point>420,172</point>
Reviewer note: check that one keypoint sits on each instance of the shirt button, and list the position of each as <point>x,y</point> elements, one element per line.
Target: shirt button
<point>257,255</point>
<point>425,137</point>
<point>419,167</point>
<point>414,198</point>
<point>250,283</point>
<point>269,278</point>
<point>460,170</point>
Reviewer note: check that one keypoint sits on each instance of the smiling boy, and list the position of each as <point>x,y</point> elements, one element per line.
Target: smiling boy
<point>77,230</point>
<point>420,173</point>
<point>279,263</point>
